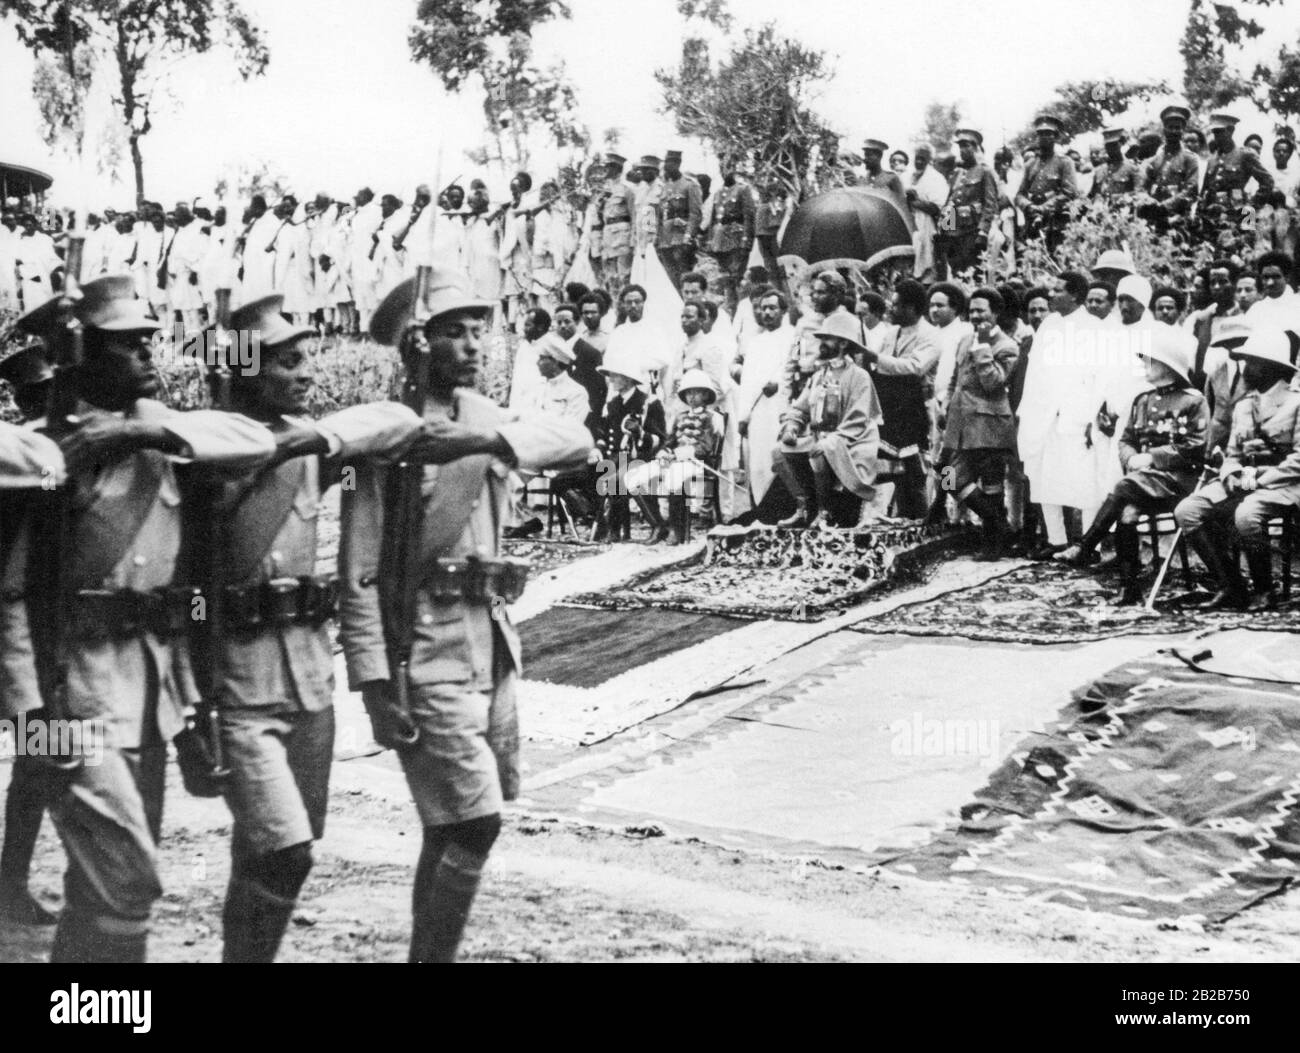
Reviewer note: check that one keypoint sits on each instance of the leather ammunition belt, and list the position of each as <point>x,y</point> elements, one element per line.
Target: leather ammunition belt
<point>1262,459</point>
<point>478,580</point>
<point>118,614</point>
<point>309,601</point>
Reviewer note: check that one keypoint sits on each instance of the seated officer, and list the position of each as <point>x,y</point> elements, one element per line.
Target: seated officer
<point>1160,450</point>
<point>831,432</point>
<point>1260,477</point>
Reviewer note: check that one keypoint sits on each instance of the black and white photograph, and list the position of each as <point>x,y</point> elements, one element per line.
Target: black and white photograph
<point>651,481</point>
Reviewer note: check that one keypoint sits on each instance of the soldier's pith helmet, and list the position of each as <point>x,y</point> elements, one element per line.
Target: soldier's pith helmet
<point>697,380</point>
<point>447,294</point>
<point>1171,347</point>
<point>263,317</point>
<point>1267,345</point>
<point>844,325</point>
<point>28,365</point>
<point>1232,333</point>
<point>1115,260</point>
<point>625,363</point>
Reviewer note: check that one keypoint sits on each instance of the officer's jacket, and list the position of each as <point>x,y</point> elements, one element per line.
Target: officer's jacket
<point>1169,423</point>
<point>1274,417</point>
<point>1227,174</point>
<point>126,535</point>
<point>270,532</point>
<point>465,505</point>
<point>1048,184</point>
<point>885,180</point>
<point>732,226</point>
<point>979,406</point>
<point>647,411</point>
<point>679,212</point>
<point>973,203</point>
<point>1114,180</point>
<point>1224,388</point>
<point>1173,177</point>
<point>616,215</point>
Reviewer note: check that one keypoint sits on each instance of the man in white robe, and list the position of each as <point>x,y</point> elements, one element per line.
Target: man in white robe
<point>927,193</point>
<point>764,395</point>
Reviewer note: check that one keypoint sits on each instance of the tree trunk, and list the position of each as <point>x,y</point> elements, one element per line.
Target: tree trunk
<point>137,165</point>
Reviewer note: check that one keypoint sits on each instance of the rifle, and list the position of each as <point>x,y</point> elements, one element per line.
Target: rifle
<point>51,553</point>
<point>399,559</point>
<point>199,749</point>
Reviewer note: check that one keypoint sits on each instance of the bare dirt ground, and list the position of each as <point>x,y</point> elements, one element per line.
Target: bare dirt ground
<point>561,891</point>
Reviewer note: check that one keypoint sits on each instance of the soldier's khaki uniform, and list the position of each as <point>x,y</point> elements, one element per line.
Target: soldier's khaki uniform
<point>680,212</point>
<point>966,218</point>
<point>1045,195</point>
<point>618,213</point>
<point>1224,211</point>
<point>1113,182</point>
<point>275,662</point>
<point>125,666</point>
<point>466,654</point>
<point>731,233</point>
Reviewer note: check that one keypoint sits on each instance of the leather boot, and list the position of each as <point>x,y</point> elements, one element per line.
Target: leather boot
<point>824,485</point>
<point>253,922</point>
<point>442,906</point>
<point>993,524</point>
<point>938,513</point>
<point>650,509</point>
<point>1259,560</point>
<point>77,941</point>
<point>1084,552</point>
<point>1128,551</point>
<point>800,518</point>
<point>1232,594</point>
<point>677,513</point>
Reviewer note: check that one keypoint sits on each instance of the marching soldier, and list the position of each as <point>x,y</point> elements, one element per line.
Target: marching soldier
<point>464,761</point>
<point>1118,178</point>
<point>731,230</point>
<point>1259,479</point>
<point>680,207</point>
<point>1226,218</point>
<point>118,659</point>
<point>972,207</point>
<point>274,667</point>
<point>1160,451</point>
<point>1048,186</point>
<point>29,374</point>
<point>618,212</point>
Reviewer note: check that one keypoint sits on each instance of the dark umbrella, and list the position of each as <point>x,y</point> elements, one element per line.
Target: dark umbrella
<point>850,226</point>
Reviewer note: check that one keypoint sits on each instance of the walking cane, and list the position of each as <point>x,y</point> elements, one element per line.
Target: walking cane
<point>1211,465</point>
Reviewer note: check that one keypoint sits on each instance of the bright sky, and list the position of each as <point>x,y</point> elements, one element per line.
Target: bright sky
<point>342,104</point>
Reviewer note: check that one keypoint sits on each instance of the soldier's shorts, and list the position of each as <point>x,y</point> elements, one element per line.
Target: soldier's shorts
<point>109,818</point>
<point>978,469</point>
<point>466,764</point>
<point>279,760</point>
<point>1250,512</point>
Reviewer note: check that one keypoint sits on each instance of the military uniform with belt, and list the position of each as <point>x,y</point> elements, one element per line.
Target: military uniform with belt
<point>680,205</point>
<point>116,656</point>
<point>271,666</point>
<point>463,764</point>
<point>1171,176</point>
<point>1117,178</point>
<point>1048,187</point>
<point>1259,478</point>
<point>1166,425</point>
<point>731,235</point>
<point>618,213</point>
<point>1225,215</point>
<point>968,215</point>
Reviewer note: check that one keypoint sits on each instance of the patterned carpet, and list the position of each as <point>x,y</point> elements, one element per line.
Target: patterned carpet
<point>794,575</point>
<point>1046,603</point>
<point>1160,793</point>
